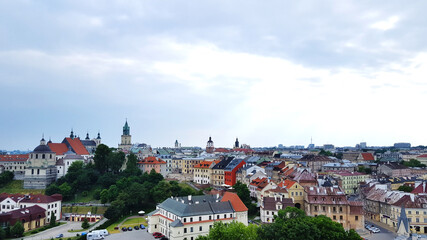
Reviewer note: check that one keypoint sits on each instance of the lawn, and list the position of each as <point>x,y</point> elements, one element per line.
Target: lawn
<point>111,229</point>
<point>134,221</point>
<point>17,186</point>
<point>84,209</point>
<point>82,197</point>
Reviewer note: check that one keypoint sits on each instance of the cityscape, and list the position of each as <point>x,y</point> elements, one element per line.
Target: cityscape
<point>213,120</point>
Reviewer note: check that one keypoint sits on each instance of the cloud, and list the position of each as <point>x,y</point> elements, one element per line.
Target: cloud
<point>387,24</point>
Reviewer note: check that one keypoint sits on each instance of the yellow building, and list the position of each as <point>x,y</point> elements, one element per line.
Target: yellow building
<point>295,190</point>
<point>31,217</point>
<point>415,210</point>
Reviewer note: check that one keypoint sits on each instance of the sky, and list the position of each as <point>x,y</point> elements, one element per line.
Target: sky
<point>269,73</point>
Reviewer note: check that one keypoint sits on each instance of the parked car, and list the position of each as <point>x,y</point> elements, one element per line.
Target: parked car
<point>129,228</point>
<point>164,238</point>
<point>156,233</point>
<point>142,226</point>
<point>136,227</point>
<point>159,236</point>
<point>60,235</point>
<point>124,229</point>
<point>376,230</point>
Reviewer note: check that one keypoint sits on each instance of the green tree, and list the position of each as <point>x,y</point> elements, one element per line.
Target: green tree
<point>52,189</point>
<point>52,222</point>
<point>85,224</point>
<point>231,231</point>
<point>132,165</point>
<point>115,161</point>
<point>405,188</point>
<point>17,230</point>
<point>66,191</point>
<point>101,157</point>
<point>2,233</point>
<point>325,153</point>
<point>162,191</point>
<point>115,210</point>
<point>413,163</point>
<point>104,196</point>
<point>6,177</point>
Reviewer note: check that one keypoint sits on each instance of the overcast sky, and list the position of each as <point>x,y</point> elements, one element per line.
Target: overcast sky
<point>268,72</point>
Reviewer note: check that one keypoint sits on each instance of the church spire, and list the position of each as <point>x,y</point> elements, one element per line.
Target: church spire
<point>72,134</point>
<point>126,128</point>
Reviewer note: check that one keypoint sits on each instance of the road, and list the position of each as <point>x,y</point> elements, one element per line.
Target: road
<point>385,234</point>
<point>53,232</point>
<point>135,234</point>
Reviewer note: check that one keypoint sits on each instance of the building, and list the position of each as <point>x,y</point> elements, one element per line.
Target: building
<point>210,146</point>
<point>64,163</point>
<point>295,190</point>
<point>415,209</point>
<point>186,218</point>
<point>343,165</point>
<point>31,217</point>
<point>126,140</point>
<point>402,145</point>
<point>230,171</point>
<point>350,180</point>
<point>236,143</point>
<point>203,172</point>
<point>14,163</point>
<point>315,162</point>
<point>149,163</point>
<point>270,206</point>
<point>218,179</point>
<point>332,202</point>
<point>394,170</point>
<point>40,170</point>
<point>50,204</point>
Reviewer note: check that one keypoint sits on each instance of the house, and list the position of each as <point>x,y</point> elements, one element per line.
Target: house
<point>248,173</point>
<point>186,218</point>
<point>350,180</point>
<point>315,162</point>
<point>332,202</point>
<point>422,158</point>
<point>295,190</point>
<point>259,186</point>
<point>230,171</point>
<point>343,165</point>
<point>415,209</point>
<point>149,163</point>
<point>31,217</point>
<point>305,177</point>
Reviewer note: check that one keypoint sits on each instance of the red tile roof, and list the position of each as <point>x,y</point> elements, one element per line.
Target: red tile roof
<point>32,198</point>
<point>28,214</point>
<point>368,156</point>
<point>77,146</point>
<point>422,188</point>
<point>151,160</point>
<point>223,150</point>
<point>235,201</point>
<point>203,164</point>
<point>14,158</point>
<point>58,148</point>
<point>422,156</point>
<point>286,184</point>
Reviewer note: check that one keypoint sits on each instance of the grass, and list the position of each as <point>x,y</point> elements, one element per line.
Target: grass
<point>17,186</point>
<point>80,197</point>
<point>134,221</point>
<point>111,229</point>
<point>84,209</point>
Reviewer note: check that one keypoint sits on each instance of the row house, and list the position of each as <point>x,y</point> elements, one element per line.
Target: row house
<point>187,218</point>
<point>273,170</point>
<point>218,179</point>
<point>415,208</point>
<point>149,163</point>
<point>358,156</point>
<point>332,202</point>
<point>304,177</point>
<point>315,162</point>
<point>258,187</point>
<point>203,172</point>
<point>51,204</point>
<point>344,165</point>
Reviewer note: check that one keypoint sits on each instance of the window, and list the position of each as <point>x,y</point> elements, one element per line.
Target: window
<point>191,219</point>
<point>356,218</point>
<point>191,229</point>
<point>185,230</point>
<point>340,209</point>
<point>210,217</point>
<point>200,228</point>
<point>341,218</point>
<point>185,220</point>
<point>315,208</point>
<point>335,217</point>
<point>225,215</point>
<point>417,220</point>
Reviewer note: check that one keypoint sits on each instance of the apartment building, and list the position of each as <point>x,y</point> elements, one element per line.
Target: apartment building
<point>186,218</point>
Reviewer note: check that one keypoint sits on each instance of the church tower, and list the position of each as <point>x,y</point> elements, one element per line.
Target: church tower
<point>177,144</point>
<point>98,139</point>
<point>210,146</point>
<point>236,143</point>
<point>126,143</point>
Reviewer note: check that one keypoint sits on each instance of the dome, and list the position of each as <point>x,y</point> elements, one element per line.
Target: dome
<point>42,149</point>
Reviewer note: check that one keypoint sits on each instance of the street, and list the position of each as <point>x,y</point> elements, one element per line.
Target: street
<point>383,235</point>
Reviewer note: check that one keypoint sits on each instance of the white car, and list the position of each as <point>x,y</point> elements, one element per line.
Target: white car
<point>375,230</point>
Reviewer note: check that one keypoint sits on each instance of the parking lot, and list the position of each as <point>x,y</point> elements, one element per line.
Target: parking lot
<point>384,234</point>
<point>135,234</point>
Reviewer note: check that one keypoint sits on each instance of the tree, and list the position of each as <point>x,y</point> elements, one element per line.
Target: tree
<point>132,165</point>
<point>52,189</point>
<point>325,153</point>
<point>66,191</point>
<point>6,177</point>
<point>405,188</point>
<point>2,233</point>
<point>115,161</point>
<point>231,231</point>
<point>101,157</point>
<point>52,222</point>
<point>17,230</point>
<point>85,224</point>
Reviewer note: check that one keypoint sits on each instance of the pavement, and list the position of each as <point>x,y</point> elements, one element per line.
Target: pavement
<point>385,233</point>
<point>129,235</point>
<point>53,232</point>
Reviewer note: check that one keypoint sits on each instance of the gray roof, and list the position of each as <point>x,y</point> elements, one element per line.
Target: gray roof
<point>88,143</point>
<point>177,223</point>
<point>233,164</point>
<point>198,205</point>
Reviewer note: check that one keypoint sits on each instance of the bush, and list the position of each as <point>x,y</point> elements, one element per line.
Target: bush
<point>85,193</point>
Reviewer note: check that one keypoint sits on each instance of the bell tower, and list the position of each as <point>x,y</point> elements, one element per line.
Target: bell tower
<point>210,146</point>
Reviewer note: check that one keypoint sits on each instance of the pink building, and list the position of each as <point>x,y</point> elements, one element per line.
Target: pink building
<point>149,163</point>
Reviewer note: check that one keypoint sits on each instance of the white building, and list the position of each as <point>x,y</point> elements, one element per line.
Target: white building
<point>186,218</point>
